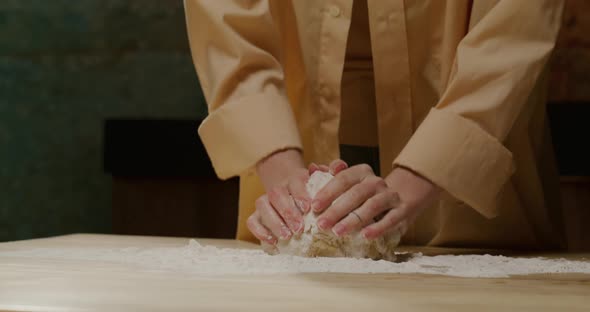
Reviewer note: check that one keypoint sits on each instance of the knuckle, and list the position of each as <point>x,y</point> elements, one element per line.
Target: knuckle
<point>389,220</point>
<point>338,164</point>
<point>376,229</point>
<point>301,175</point>
<point>393,197</point>
<point>380,184</point>
<point>365,168</point>
<point>390,192</point>
<point>353,193</point>
<point>402,206</point>
<point>402,227</point>
<point>252,221</point>
<point>275,193</point>
<point>334,162</point>
<point>345,179</point>
<point>321,200</point>
<point>372,181</point>
<point>378,232</point>
<point>260,202</point>
<point>358,167</point>
<point>372,205</point>
<point>327,218</point>
<point>288,214</point>
<point>297,189</point>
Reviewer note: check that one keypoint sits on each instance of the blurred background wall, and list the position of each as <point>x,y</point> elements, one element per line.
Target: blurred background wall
<point>68,65</point>
<point>65,66</point>
<point>570,66</point>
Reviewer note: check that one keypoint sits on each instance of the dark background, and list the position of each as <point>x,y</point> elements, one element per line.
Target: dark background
<point>65,67</point>
<point>71,71</point>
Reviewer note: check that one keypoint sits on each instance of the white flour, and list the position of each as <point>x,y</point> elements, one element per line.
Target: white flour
<point>206,260</point>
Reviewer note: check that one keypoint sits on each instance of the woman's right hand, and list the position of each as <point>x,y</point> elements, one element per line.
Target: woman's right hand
<point>279,213</point>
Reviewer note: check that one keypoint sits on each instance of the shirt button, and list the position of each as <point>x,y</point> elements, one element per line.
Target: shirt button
<point>334,11</point>
<point>325,92</point>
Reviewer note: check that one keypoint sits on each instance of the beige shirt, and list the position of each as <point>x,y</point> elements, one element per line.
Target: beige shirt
<point>459,93</point>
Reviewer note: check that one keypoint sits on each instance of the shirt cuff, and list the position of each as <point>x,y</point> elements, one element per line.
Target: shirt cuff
<point>239,134</point>
<point>461,158</point>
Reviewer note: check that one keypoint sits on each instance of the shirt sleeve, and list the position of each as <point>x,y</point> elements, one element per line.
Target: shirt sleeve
<point>459,146</point>
<point>236,52</point>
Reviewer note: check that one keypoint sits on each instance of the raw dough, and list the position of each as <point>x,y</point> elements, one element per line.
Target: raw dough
<point>314,242</point>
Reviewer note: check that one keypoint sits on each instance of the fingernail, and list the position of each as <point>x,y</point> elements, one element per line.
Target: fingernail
<point>300,227</point>
<point>271,240</point>
<point>306,208</point>
<point>338,168</point>
<point>301,205</point>
<point>295,225</point>
<point>364,235</point>
<point>322,224</point>
<point>285,232</point>
<point>315,206</point>
<point>339,229</point>
<point>295,222</point>
<point>312,168</point>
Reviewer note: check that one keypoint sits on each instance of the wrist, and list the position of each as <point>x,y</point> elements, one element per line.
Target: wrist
<point>396,177</point>
<point>274,169</point>
<point>411,186</point>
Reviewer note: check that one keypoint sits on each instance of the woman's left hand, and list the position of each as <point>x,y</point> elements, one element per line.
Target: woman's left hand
<point>358,199</point>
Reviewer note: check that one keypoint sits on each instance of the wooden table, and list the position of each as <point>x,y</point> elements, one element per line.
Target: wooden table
<point>66,285</point>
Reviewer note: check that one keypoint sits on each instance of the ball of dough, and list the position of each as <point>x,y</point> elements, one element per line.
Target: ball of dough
<point>314,242</point>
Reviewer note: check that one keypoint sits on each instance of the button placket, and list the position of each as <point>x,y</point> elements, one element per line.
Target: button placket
<point>331,44</point>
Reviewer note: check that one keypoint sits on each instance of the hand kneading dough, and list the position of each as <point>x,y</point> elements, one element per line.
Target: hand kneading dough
<point>314,242</point>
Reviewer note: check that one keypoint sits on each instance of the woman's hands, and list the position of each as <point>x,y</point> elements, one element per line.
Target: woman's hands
<point>279,213</point>
<point>356,199</point>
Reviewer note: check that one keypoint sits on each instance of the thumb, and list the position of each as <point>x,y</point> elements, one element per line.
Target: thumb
<point>298,190</point>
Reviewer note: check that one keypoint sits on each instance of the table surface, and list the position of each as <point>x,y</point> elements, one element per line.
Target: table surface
<point>70,285</point>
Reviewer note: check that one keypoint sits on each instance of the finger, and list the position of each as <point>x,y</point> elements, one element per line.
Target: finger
<point>350,222</point>
<point>297,189</point>
<point>283,203</point>
<point>269,248</point>
<point>336,166</point>
<point>259,230</point>
<point>338,185</point>
<point>271,219</point>
<point>394,218</point>
<point>347,202</point>
<point>402,226</point>
<point>366,213</point>
<point>313,167</point>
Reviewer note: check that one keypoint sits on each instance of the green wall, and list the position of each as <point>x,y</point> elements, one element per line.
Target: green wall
<point>65,66</point>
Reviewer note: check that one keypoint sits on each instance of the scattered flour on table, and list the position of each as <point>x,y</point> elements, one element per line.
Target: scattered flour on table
<point>197,259</point>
